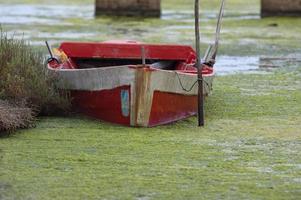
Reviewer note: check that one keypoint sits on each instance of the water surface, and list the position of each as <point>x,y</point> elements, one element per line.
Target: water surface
<point>245,38</point>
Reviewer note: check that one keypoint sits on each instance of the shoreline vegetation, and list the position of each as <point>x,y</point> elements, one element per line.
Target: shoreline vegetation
<point>27,90</point>
<point>15,116</point>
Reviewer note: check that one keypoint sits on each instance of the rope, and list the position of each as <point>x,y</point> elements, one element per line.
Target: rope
<point>190,89</point>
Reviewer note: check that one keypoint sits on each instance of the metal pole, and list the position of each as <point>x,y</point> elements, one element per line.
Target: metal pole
<point>143,56</point>
<point>201,120</point>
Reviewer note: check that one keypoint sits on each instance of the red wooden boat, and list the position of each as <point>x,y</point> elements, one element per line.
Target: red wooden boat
<point>135,84</point>
<point>131,83</point>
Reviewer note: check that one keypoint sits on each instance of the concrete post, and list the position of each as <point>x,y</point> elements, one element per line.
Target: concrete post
<point>148,8</point>
<point>280,8</point>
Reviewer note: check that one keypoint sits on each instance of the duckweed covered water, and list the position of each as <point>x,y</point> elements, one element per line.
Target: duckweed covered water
<point>245,37</point>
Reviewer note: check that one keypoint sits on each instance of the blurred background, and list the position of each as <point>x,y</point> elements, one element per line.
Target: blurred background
<point>247,42</point>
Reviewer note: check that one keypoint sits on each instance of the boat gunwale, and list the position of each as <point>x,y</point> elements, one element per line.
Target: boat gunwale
<point>129,67</point>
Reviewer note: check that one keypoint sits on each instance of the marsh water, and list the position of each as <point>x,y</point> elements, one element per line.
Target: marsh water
<point>245,37</point>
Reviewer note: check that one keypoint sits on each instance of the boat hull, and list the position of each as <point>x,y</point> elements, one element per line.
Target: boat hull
<point>138,96</point>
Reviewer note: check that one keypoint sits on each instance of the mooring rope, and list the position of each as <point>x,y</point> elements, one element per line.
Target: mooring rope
<point>193,85</point>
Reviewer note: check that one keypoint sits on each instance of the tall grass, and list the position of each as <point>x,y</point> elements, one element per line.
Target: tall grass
<point>24,78</point>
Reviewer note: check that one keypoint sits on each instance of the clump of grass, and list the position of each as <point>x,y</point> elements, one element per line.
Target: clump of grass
<point>24,78</point>
<point>15,115</point>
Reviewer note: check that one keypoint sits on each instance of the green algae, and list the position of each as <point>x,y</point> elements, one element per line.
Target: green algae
<point>249,149</point>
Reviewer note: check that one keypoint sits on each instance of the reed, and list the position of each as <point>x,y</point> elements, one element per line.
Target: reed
<point>24,78</point>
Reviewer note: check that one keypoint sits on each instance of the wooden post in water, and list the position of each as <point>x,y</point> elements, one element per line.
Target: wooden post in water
<point>280,8</point>
<point>145,8</point>
<point>201,117</point>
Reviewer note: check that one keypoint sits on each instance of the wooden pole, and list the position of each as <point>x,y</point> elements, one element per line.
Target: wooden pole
<point>145,8</point>
<point>201,120</point>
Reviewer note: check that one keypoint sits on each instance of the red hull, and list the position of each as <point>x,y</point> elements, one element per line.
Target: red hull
<point>169,107</point>
<point>105,105</point>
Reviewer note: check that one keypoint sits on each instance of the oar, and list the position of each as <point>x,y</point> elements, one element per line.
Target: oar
<point>49,49</point>
<point>210,56</point>
<point>52,58</point>
<point>201,120</point>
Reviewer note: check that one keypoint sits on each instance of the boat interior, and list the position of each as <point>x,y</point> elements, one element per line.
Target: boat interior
<point>100,63</point>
